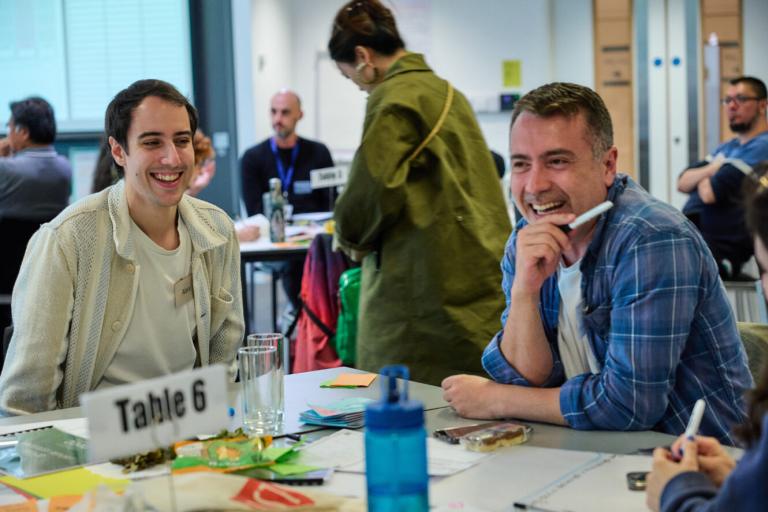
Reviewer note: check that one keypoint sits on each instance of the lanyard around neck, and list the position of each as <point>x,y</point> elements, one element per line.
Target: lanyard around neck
<point>286,175</point>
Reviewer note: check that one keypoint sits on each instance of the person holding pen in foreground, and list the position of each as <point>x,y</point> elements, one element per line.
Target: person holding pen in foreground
<point>707,477</point>
<point>621,323</point>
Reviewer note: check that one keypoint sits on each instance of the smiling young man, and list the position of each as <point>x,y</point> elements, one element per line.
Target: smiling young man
<point>621,324</point>
<point>715,204</point>
<point>132,283</point>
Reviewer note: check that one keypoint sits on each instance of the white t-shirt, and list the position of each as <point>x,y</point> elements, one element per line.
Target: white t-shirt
<point>575,351</point>
<point>158,340</point>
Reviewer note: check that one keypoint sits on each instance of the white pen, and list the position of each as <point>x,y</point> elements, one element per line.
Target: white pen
<point>693,424</point>
<point>587,216</point>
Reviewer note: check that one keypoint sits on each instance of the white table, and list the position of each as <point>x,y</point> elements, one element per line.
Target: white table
<point>487,485</point>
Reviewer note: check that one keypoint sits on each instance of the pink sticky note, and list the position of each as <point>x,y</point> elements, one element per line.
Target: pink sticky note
<point>354,379</point>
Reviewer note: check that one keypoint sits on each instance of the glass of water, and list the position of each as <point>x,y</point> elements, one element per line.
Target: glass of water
<point>261,378</point>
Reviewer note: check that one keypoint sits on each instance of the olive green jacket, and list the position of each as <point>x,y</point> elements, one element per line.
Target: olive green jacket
<point>434,227</point>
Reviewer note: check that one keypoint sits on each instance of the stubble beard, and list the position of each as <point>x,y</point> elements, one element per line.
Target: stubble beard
<point>740,128</point>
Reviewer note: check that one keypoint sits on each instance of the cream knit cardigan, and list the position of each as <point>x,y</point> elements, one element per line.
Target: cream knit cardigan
<point>75,293</point>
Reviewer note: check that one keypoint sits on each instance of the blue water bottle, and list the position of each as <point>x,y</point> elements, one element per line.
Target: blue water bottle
<point>396,448</point>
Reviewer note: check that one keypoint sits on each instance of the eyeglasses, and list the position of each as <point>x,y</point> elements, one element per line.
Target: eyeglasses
<point>739,99</point>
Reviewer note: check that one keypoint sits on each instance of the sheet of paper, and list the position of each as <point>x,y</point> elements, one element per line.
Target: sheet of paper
<point>345,451</point>
<point>75,426</point>
<point>351,485</point>
<point>23,506</point>
<point>607,473</point>
<point>115,471</point>
<point>543,479</point>
<point>503,477</point>
<point>340,449</point>
<point>354,379</point>
<point>443,459</point>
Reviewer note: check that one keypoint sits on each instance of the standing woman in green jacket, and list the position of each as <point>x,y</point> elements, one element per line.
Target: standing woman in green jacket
<point>423,208</point>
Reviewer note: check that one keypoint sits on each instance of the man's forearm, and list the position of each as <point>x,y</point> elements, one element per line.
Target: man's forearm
<point>524,343</point>
<point>706,192</point>
<point>532,404</point>
<point>691,178</point>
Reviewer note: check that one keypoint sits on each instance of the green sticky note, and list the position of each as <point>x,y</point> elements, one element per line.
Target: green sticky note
<point>327,384</point>
<point>279,453</point>
<point>291,469</point>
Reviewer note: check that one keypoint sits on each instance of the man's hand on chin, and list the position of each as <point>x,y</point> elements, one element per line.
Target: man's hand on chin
<point>472,396</point>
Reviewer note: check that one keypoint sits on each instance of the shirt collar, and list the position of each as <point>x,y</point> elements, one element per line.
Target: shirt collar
<point>37,151</point>
<point>203,235</point>
<point>614,191</point>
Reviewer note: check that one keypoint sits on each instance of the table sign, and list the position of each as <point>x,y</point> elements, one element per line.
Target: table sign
<point>139,417</point>
<point>329,176</point>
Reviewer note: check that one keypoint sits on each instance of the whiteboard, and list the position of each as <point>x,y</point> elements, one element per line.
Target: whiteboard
<point>340,107</point>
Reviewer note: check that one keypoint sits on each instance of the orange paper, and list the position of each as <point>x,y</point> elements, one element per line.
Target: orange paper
<point>362,380</point>
<point>63,503</point>
<point>27,506</point>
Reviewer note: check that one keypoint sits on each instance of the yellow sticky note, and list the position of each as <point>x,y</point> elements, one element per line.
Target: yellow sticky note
<point>362,380</point>
<point>511,73</point>
<point>73,481</point>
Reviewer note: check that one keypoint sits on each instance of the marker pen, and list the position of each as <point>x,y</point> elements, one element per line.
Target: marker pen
<point>694,422</point>
<point>587,216</point>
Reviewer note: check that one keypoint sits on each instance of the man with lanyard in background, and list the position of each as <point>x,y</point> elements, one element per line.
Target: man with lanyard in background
<point>290,158</point>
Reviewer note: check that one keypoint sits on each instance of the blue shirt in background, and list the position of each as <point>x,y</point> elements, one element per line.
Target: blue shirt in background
<point>722,224</point>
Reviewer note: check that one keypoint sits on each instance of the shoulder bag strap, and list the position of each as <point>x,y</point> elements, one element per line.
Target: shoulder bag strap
<point>438,125</point>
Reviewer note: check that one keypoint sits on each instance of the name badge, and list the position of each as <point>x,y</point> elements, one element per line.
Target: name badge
<point>182,290</point>
<point>302,187</point>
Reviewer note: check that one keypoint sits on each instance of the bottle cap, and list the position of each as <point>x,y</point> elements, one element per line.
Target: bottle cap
<point>395,410</point>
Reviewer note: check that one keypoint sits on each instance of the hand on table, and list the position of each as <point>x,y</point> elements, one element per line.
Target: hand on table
<point>248,233</point>
<point>472,396</point>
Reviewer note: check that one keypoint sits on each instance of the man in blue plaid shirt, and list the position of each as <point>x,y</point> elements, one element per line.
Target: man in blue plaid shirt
<point>621,324</point>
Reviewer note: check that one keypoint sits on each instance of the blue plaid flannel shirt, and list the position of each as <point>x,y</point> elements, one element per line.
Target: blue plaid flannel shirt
<point>657,319</point>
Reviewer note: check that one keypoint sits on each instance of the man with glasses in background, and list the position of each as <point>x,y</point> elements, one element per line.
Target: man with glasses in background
<point>714,184</point>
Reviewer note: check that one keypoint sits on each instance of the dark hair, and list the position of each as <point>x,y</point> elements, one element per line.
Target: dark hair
<point>107,172</point>
<point>119,114</point>
<point>36,115</point>
<point>363,23</point>
<point>756,205</point>
<point>757,85</point>
<point>566,99</point>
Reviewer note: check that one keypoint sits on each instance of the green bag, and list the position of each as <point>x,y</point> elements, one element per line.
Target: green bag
<point>346,328</point>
